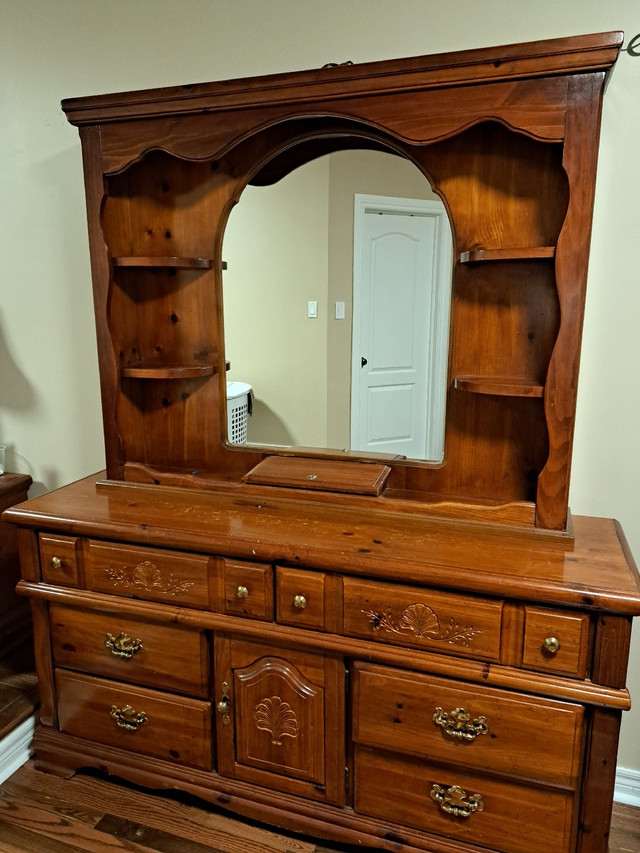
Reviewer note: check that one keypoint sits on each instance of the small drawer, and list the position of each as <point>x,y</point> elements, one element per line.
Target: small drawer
<point>248,589</point>
<point>300,598</point>
<point>135,719</point>
<point>58,560</point>
<point>163,656</point>
<point>460,625</point>
<point>148,573</point>
<point>556,641</point>
<point>474,808</point>
<point>480,727</point>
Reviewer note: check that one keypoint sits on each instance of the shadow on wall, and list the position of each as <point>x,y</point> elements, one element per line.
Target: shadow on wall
<point>16,395</point>
<point>269,426</point>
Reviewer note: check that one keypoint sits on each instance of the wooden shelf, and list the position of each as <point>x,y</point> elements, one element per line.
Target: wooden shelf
<point>168,371</point>
<point>499,386</point>
<point>171,262</point>
<point>531,254</point>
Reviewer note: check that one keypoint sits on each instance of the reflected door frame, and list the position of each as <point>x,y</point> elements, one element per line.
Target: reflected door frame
<point>436,328</point>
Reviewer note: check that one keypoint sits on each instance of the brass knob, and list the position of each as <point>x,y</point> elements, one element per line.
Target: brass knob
<point>242,592</point>
<point>300,602</point>
<point>551,646</point>
<point>56,563</point>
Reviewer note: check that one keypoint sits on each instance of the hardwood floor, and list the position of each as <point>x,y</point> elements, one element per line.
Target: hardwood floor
<point>40,813</point>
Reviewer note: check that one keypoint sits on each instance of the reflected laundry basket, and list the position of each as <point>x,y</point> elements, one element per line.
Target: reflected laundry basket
<point>239,403</point>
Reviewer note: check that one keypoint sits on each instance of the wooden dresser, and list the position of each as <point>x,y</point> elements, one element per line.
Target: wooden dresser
<point>408,655</point>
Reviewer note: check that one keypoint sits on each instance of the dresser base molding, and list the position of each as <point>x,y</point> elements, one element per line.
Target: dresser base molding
<point>63,755</point>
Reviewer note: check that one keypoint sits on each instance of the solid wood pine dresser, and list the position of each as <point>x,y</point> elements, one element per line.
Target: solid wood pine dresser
<point>408,655</point>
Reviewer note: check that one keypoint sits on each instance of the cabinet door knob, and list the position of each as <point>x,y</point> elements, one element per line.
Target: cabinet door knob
<point>56,563</point>
<point>551,646</point>
<point>300,602</point>
<point>242,592</point>
<point>223,706</point>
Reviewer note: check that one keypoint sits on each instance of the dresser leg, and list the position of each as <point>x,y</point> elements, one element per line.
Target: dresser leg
<point>599,778</point>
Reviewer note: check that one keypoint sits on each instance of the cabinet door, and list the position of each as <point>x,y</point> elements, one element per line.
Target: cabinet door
<point>281,720</point>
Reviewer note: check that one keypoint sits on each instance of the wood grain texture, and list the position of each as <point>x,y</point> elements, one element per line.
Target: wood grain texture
<point>591,572</point>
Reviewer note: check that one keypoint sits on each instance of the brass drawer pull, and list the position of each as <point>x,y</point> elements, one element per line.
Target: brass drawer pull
<point>457,724</point>
<point>455,801</point>
<point>224,705</point>
<point>127,718</point>
<point>300,602</point>
<point>242,592</point>
<point>551,646</point>
<point>122,646</point>
<point>56,563</point>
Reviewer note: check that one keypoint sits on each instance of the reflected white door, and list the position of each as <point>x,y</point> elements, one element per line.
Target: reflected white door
<point>399,367</point>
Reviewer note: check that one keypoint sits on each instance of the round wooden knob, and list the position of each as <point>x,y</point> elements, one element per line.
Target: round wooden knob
<point>56,563</point>
<point>242,592</point>
<point>300,602</point>
<point>551,646</point>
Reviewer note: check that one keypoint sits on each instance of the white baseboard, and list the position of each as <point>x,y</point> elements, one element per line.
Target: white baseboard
<point>15,748</point>
<point>627,789</point>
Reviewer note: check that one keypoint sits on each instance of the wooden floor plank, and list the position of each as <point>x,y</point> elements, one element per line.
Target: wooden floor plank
<point>205,825</point>
<point>625,829</point>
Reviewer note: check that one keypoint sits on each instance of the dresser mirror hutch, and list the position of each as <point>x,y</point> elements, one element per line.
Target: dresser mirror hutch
<point>372,648</point>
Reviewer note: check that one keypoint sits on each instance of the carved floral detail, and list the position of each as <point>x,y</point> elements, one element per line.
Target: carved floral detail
<point>421,621</point>
<point>149,577</point>
<point>277,717</point>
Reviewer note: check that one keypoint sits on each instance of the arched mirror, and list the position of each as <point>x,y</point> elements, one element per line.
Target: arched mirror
<point>336,308</point>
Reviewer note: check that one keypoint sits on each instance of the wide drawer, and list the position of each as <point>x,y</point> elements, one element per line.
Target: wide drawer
<point>463,625</point>
<point>163,656</point>
<point>500,814</point>
<point>135,719</point>
<point>467,724</point>
<point>148,573</point>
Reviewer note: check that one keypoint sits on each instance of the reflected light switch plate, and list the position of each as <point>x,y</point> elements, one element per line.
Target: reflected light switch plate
<point>312,309</point>
<point>339,311</point>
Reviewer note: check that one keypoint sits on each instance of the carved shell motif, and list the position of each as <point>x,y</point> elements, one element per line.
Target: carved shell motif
<point>147,576</point>
<point>276,717</point>
<point>419,619</point>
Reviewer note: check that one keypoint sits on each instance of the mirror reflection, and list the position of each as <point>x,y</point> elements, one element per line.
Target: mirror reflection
<point>336,309</point>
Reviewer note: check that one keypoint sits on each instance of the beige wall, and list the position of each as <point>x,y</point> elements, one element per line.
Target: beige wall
<point>50,49</point>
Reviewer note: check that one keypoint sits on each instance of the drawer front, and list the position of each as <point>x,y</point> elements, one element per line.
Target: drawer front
<point>300,598</point>
<point>58,560</point>
<point>135,719</point>
<point>162,656</point>
<point>411,616</point>
<point>248,589</point>
<point>467,724</point>
<point>148,573</point>
<point>555,641</point>
<point>508,816</point>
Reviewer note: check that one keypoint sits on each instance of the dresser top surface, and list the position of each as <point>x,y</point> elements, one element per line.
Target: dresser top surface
<point>594,570</point>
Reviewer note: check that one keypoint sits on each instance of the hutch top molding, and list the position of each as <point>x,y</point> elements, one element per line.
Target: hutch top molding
<point>507,137</point>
